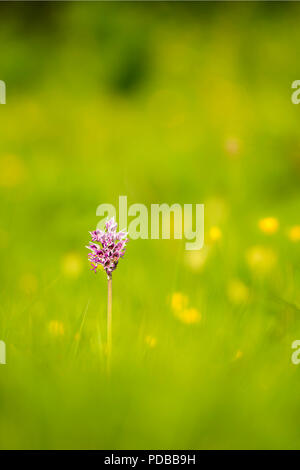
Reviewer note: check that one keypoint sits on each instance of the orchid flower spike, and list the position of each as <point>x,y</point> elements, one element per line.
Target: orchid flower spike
<point>107,247</point>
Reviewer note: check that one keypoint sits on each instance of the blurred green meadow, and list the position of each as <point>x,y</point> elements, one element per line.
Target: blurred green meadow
<point>165,103</point>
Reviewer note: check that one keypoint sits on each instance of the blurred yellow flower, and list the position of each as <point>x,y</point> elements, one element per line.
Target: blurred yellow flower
<point>151,341</point>
<point>196,259</point>
<point>215,234</point>
<point>28,283</point>
<point>72,265</point>
<point>179,301</point>
<point>56,328</point>
<point>77,336</point>
<point>294,233</point>
<point>189,316</point>
<point>261,259</point>
<point>237,292</point>
<point>12,171</point>
<point>238,355</point>
<point>268,225</point>
<point>179,305</point>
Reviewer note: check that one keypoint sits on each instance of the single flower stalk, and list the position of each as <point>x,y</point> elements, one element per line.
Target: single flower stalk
<point>107,247</point>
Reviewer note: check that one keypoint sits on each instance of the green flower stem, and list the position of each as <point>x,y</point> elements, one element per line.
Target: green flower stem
<point>109,320</point>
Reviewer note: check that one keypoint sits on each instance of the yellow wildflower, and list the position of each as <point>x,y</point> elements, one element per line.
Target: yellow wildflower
<point>294,233</point>
<point>261,259</point>
<point>237,291</point>
<point>72,265</point>
<point>77,336</point>
<point>179,305</point>
<point>12,171</point>
<point>268,225</point>
<point>215,234</point>
<point>151,341</point>
<point>196,259</point>
<point>56,328</point>
<point>179,301</point>
<point>189,316</point>
<point>239,354</point>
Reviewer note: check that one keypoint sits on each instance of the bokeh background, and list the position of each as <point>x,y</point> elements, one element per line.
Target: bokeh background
<point>162,102</point>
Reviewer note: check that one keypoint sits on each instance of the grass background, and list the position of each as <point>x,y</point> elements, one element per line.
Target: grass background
<point>162,102</point>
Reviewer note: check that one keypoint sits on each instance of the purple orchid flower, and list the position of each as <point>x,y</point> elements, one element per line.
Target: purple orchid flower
<point>108,248</point>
